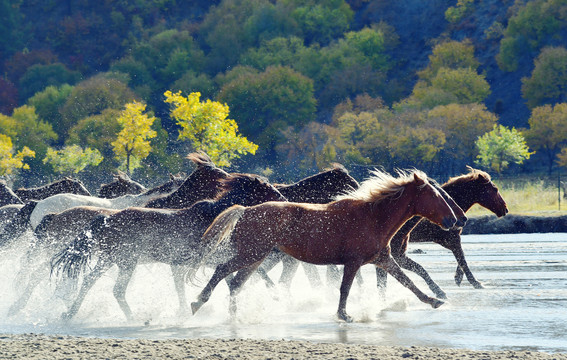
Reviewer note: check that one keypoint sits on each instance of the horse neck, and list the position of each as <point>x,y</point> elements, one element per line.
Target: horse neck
<point>462,194</point>
<point>398,209</point>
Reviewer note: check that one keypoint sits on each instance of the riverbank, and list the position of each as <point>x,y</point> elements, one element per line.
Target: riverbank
<point>34,346</point>
<point>516,224</point>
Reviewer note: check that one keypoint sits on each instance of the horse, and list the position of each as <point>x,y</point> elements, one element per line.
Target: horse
<point>476,187</point>
<point>205,170</point>
<point>56,230</point>
<point>7,196</point>
<point>63,186</point>
<point>121,185</point>
<point>320,188</point>
<point>325,195</point>
<point>353,230</point>
<point>169,236</point>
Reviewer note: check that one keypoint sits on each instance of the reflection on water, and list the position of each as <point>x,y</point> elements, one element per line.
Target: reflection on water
<point>522,306</point>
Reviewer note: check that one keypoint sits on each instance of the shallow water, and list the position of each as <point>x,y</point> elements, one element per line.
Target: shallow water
<point>523,305</point>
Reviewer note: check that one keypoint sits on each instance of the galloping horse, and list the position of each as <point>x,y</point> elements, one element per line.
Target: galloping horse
<point>475,187</point>
<point>65,185</point>
<point>122,185</point>
<point>56,230</point>
<point>320,188</point>
<point>168,236</point>
<point>353,231</point>
<point>7,196</point>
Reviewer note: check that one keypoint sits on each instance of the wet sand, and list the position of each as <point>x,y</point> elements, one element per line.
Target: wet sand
<point>35,346</point>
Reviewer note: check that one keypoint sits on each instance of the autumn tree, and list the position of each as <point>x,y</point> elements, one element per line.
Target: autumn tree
<point>10,162</point>
<point>207,126</point>
<point>548,81</point>
<point>133,145</point>
<point>548,130</point>
<point>72,159</point>
<point>500,147</point>
<point>48,104</point>
<point>462,125</point>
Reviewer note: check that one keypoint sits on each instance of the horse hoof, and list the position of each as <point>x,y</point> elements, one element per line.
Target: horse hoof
<point>478,285</point>
<point>436,303</point>
<point>441,294</point>
<point>195,306</point>
<point>344,317</point>
<point>66,316</point>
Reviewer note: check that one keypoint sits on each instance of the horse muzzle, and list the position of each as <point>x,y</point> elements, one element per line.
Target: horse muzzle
<point>448,222</point>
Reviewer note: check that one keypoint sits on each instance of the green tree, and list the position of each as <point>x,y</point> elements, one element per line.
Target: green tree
<point>456,13</point>
<point>91,97</point>
<point>72,159</point>
<point>132,145</point>
<point>500,147</point>
<point>39,76</point>
<point>10,162</point>
<point>48,103</point>
<point>548,130</point>
<point>268,102</point>
<point>548,81</point>
<point>450,55</point>
<point>206,126</point>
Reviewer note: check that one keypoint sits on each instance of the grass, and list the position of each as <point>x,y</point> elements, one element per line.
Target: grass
<point>527,197</point>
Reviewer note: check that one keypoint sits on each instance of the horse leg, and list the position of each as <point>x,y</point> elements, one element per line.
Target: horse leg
<point>459,275</point>
<point>235,285</point>
<point>460,256</point>
<point>333,275</point>
<point>312,274</point>
<point>381,281</point>
<point>125,272</point>
<point>408,264</point>
<point>390,265</point>
<point>41,272</point>
<point>290,266</point>
<point>273,258</point>
<point>178,274</point>
<point>88,282</point>
<point>221,271</point>
<point>349,272</point>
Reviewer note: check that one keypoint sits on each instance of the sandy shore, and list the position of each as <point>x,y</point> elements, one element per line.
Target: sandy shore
<point>33,346</point>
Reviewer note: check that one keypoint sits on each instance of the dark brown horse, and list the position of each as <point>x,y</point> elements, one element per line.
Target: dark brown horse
<point>65,185</point>
<point>475,187</point>
<point>121,185</point>
<point>57,230</point>
<point>352,231</point>
<point>142,234</point>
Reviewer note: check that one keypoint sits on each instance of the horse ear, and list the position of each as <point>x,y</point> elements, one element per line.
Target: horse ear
<point>418,179</point>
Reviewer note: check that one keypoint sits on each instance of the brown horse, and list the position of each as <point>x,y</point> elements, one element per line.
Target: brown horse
<point>142,234</point>
<point>121,185</point>
<point>352,231</point>
<point>57,230</point>
<point>475,187</point>
<point>63,186</point>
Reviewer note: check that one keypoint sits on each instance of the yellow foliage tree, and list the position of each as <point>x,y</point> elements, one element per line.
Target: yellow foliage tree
<point>206,126</point>
<point>132,145</point>
<point>10,162</point>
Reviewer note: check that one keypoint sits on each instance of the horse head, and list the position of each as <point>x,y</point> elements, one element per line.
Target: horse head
<point>429,202</point>
<point>248,190</point>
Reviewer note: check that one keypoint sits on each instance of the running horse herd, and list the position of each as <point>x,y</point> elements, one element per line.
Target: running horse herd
<point>238,225</point>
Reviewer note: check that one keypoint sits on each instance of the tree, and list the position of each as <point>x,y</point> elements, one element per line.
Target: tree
<point>48,103</point>
<point>548,81</point>
<point>39,76</point>
<point>72,159</point>
<point>268,102</point>
<point>9,162</point>
<point>206,126</point>
<point>500,147</point>
<point>450,55</point>
<point>132,145</point>
<point>548,130</point>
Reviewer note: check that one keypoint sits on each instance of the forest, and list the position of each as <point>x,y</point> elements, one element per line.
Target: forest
<point>283,88</point>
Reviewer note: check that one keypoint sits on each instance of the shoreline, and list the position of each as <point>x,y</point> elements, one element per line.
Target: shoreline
<point>38,346</point>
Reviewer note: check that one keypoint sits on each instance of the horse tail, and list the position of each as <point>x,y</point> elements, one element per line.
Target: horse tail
<point>74,259</point>
<point>217,236</point>
<point>18,225</point>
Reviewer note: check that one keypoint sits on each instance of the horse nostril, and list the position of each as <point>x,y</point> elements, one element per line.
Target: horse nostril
<point>449,222</point>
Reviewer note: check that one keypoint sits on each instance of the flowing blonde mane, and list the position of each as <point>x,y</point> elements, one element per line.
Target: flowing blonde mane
<point>382,185</point>
<point>472,175</point>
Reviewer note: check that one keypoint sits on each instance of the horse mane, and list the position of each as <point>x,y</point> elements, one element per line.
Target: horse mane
<point>238,181</point>
<point>201,159</point>
<point>472,175</point>
<point>382,185</point>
